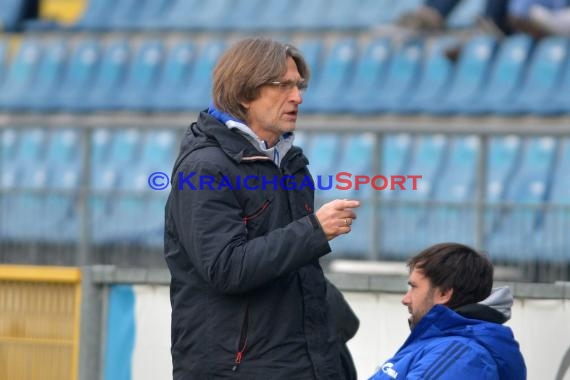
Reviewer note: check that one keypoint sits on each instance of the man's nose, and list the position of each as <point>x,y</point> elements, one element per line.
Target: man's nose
<point>296,95</point>
<point>406,299</point>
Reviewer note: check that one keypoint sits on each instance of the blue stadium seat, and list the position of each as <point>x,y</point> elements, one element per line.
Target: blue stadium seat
<point>505,78</point>
<point>552,240</point>
<point>177,16</point>
<point>202,15</point>
<point>558,101</point>
<point>9,143</point>
<point>395,157</point>
<point>133,213</point>
<point>336,72</point>
<point>3,61</point>
<point>126,14</point>
<point>307,15</point>
<point>370,71</point>
<point>542,78</point>
<point>378,12</point>
<point>402,7</point>
<point>142,78</point>
<point>21,73</point>
<point>454,219</point>
<point>153,234</point>
<point>23,218</point>
<point>402,75</point>
<point>122,150</point>
<point>11,14</point>
<point>8,171</point>
<point>158,152</point>
<point>465,14</point>
<point>158,155</point>
<point>64,166</point>
<point>322,159</point>
<point>399,220</point>
<point>109,80</point>
<point>368,13</point>
<point>470,76</point>
<point>50,74</point>
<point>79,78</point>
<point>249,14</point>
<point>457,182</point>
<point>175,77</point>
<point>340,14</point>
<point>312,50</point>
<point>428,158</point>
<point>125,147</point>
<point>96,14</point>
<point>434,80</point>
<point>503,159</point>
<point>63,154</point>
<point>511,236</point>
<point>272,15</point>
<point>196,95</point>
<point>122,11</point>
<point>100,145</point>
<point>153,15</point>
<point>357,159</point>
<point>358,243</point>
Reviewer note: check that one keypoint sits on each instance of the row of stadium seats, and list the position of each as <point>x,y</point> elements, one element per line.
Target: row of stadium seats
<point>527,193</point>
<point>511,77</point>
<point>252,15</point>
<point>41,179</point>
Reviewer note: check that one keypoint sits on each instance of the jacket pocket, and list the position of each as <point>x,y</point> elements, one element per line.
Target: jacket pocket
<point>257,213</point>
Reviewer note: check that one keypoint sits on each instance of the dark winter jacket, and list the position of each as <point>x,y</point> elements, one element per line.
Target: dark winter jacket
<point>249,298</point>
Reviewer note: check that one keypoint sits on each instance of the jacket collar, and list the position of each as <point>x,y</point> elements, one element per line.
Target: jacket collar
<point>276,152</point>
<point>209,131</point>
<point>233,143</point>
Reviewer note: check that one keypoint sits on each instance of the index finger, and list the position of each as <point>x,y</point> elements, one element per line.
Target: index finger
<point>341,204</point>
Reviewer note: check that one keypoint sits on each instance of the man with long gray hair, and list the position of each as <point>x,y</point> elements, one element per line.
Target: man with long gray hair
<point>242,242</point>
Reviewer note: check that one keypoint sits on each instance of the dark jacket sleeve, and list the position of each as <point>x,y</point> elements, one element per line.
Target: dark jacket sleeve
<point>210,227</point>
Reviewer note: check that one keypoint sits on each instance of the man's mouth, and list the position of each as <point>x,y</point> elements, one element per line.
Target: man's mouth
<point>291,114</point>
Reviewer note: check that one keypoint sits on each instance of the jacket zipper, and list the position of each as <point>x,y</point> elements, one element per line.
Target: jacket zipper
<point>246,219</point>
<point>242,341</point>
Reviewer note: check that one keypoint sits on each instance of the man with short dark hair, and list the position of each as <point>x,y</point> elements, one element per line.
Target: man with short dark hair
<point>456,321</point>
<point>243,241</point>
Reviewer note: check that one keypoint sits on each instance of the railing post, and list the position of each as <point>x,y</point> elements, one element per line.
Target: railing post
<point>481,189</point>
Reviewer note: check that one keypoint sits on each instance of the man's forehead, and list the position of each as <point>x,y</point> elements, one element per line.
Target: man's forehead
<point>417,275</point>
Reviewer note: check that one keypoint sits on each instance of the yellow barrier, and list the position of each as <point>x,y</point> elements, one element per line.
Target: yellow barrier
<point>39,322</point>
<point>64,11</point>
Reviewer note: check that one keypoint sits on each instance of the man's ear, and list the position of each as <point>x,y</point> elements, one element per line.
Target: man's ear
<point>245,105</point>
<point>443,297</point>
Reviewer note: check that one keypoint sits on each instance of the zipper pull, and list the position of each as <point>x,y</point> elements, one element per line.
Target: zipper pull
<point>237,361</point>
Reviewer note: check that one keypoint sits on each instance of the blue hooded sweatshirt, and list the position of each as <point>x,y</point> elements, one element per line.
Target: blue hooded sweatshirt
<point>445,345</point>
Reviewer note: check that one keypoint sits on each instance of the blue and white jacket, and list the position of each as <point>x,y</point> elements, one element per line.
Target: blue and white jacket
<point>447,345</point>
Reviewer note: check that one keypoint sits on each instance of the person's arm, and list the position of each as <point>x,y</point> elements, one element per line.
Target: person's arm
<point>453,360</point>
<point>211,229</point>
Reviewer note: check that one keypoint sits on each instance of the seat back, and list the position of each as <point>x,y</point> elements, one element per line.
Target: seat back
<point>544,71</point>
<point>472,69</point>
